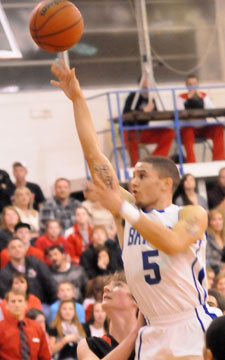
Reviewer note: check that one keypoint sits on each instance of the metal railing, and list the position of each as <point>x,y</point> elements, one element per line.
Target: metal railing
<point>176,124</point>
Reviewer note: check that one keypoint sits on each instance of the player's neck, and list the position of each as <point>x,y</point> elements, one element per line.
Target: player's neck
<point>159,204</point>
<point>122,324</point>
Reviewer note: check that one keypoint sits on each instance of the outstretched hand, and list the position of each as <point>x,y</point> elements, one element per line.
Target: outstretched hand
<point>67,79</point>
<point>109,197</point>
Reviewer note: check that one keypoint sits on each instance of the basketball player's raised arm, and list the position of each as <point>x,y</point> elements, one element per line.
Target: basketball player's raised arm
<point>98,164</point>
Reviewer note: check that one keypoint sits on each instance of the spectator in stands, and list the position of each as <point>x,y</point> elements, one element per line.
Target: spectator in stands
<point>41,282</point>
<point>214,340</point>
<point>219,299</point>
<point>63,270</point>
<point>219,283</point>
<point>20,173</point>
<point>19,282</point>
<point>99,215</point>
<point>66,331</point>
<point>216,195</point>
<point>210,274</point>
<point>60,207</point>
<point>196,99</point>
<point>104,263</point>
<point>17,333</point>
<point>24,206</point>
<point>97,324</point>
<point>23,232</point>
<point>186,193</point>
<point>215,240</point>
<point>162,137</point>
<point>121,310</point>
<point>9,219</point>
<point>94,294</point>
<point>6,189</point>
<point>52,236</point>
<point>99,237</point>
<point>38,315</point>
<point>80,237</point>
<point>67,291</point>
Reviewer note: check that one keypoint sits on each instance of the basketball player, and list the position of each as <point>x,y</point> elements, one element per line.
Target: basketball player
<point>163,245</point>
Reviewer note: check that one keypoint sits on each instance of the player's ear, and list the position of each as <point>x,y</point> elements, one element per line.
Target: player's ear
<point>167,183</point>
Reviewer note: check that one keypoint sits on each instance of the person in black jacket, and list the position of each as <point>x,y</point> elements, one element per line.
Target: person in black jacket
<point>163,138</point>
<point>41,282</point>
<point>88,258</point>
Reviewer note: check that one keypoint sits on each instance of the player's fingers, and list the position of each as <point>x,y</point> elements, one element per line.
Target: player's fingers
<point>55,83</point>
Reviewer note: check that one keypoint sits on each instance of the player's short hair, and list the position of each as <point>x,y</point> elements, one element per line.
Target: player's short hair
<point>165,167</point>
<point>215,338</point>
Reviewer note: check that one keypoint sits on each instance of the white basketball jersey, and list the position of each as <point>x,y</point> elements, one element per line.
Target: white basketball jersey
<point>163,284</point>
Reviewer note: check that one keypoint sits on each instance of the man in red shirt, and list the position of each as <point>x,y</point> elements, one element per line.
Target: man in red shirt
<point>23,232</point>
<point>12,341</point>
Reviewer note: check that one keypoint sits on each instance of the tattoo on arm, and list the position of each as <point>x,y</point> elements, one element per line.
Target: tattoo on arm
<point>192,226</point>
<point>103,172</point>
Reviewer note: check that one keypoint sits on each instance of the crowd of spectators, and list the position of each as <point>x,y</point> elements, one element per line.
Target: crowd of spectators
<point>57,268</point>
<point>55,255</point>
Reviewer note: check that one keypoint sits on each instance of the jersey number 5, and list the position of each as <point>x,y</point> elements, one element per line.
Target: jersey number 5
<point>155,276</point>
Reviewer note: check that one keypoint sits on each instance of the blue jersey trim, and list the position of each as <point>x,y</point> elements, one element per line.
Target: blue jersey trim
<point>140,344</point>
<point>148,211</point>
<point>213,316</point>
<point>193,274</point>
<point>202,326</point>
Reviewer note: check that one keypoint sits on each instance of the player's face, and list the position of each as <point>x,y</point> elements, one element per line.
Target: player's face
<point>117,296</point>
<point>146,185</point>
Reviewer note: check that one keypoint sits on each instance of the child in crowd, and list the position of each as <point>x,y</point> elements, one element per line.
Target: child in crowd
<point>66,291</point>
<point>65,331</point>
<point>51,237</point>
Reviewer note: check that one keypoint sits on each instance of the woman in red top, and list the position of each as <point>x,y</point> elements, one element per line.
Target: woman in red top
<point>20,282</point>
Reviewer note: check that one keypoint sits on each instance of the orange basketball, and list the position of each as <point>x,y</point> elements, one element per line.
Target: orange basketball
<point>56,25</point>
